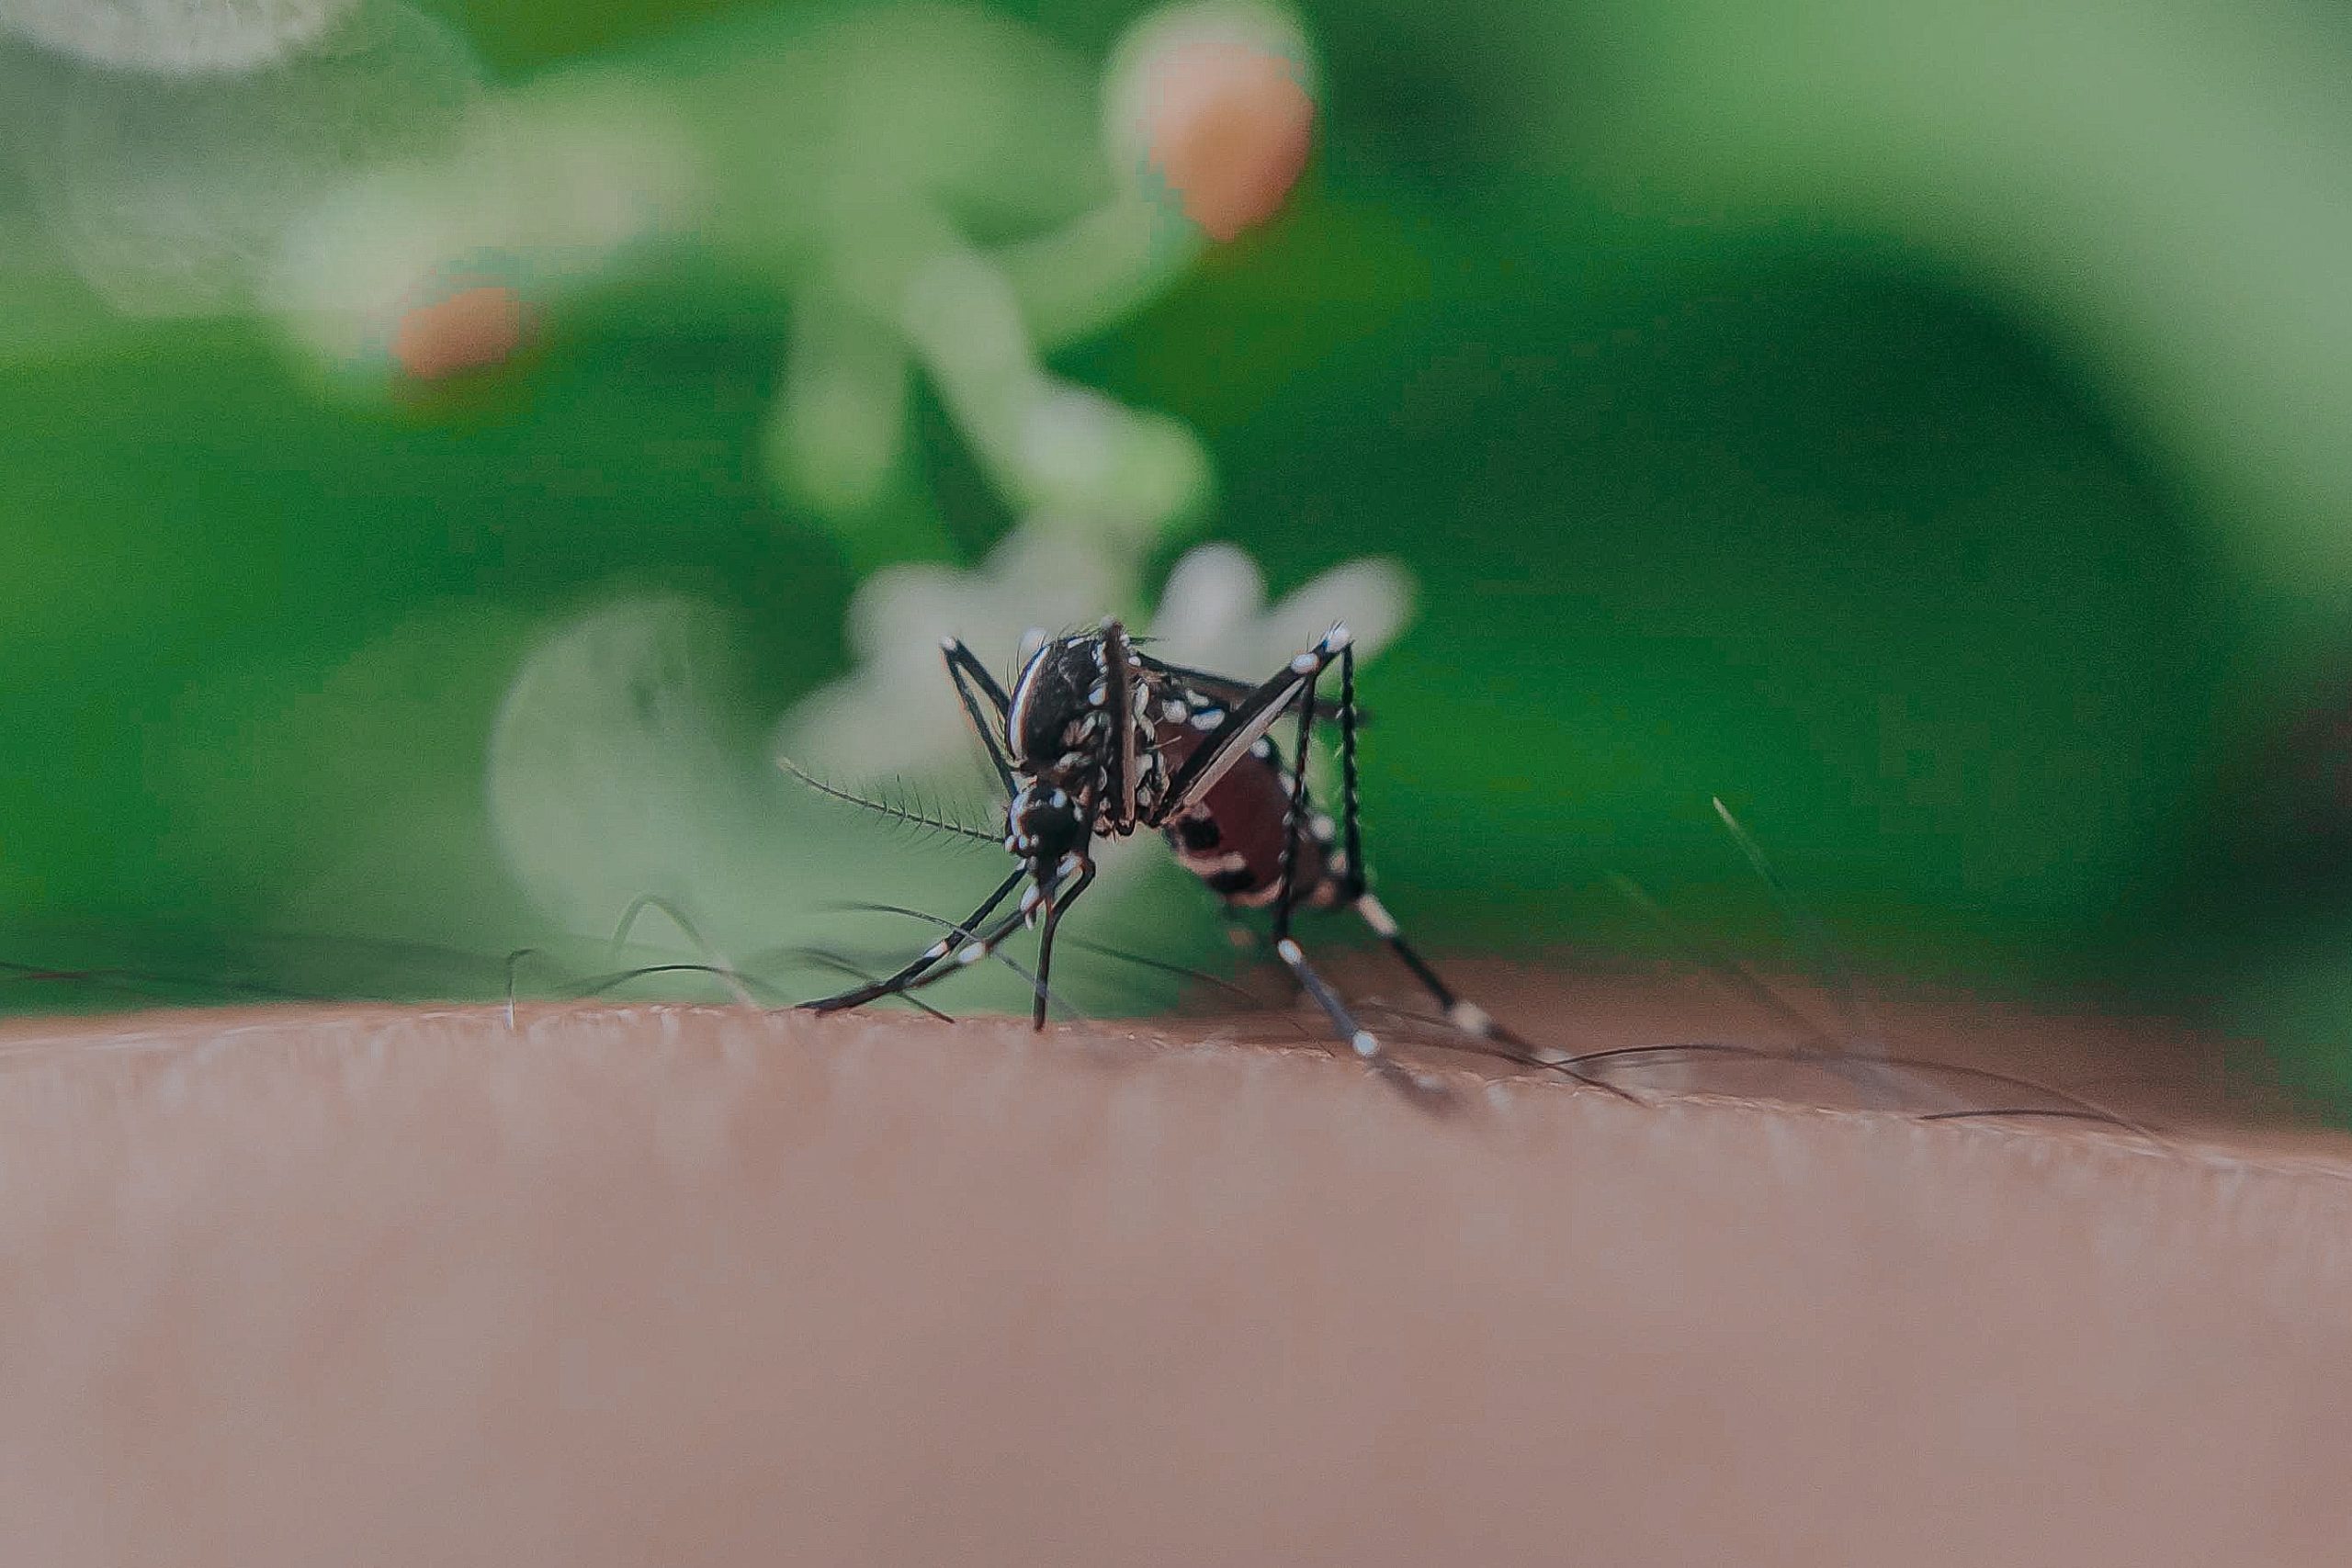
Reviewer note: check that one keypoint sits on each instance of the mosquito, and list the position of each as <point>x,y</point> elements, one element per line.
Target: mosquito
<point>1098,739</point>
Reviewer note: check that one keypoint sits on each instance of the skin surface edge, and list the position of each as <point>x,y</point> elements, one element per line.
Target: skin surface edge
<point>630,1284</point>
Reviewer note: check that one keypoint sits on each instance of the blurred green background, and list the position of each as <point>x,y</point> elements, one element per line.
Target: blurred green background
<point>1923,424</point>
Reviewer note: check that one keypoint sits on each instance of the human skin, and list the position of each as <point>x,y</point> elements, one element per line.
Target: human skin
<point>645,1284</point>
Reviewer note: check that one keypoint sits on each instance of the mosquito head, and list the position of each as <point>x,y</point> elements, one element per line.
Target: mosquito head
<point>1042,826</point>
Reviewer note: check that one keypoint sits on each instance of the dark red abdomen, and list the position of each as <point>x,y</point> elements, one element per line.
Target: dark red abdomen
<point>1233,838</point>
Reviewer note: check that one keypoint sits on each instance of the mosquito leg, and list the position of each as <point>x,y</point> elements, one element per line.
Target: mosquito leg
<point>1118,711</point>
<point>1468,1017</point>
<point>1286,883</point>
<point>1462,1014</point>
<point>1227,691</point>
<point>978,949</point>
<point>1360,1040</point>
<point>922,967</point>
<point>960,657</point>
<point>1241,727</point>
<point>1053,912</point>
<point>835,961</point>
<point>962,933</point>
<point>975,687</point>
<point>1351,835</point>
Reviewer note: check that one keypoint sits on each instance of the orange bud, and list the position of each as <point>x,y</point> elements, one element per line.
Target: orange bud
<point>469,330</point>
<point>1214,98</point>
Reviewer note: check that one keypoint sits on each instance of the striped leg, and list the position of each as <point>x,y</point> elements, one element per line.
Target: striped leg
<point>1244,723</point>
<point>1463,1014</point>
<point>1053,911</point>
<point>977,948</point>
<point>926,965</point>
<point>1468,1017</point>
<point>980,694</point>
<point>1366,1044</point>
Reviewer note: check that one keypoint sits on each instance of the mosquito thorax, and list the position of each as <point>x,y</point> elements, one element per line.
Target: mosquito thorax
<point>1060,729</point>
<point>1055,703</point>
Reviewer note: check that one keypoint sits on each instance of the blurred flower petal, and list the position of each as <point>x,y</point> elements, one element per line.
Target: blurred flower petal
<point>1212,613</point>
<point>897,714</point>
<point>530,198</point>
<point>1373,597</point>
<point>617,770</point>
<point>173,36</point>
<point>1212,596</point>
<point>170,195</point>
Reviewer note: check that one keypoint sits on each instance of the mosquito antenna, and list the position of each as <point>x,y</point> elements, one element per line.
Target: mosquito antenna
<point>963,934</point>
<point>1826,959</point>
<point>912,816</point>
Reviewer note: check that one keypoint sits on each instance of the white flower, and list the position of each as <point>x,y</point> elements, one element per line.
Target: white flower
<point>526,200</point>
<point>171,192</point>
<point>897,714</point>
<point>1214,614</point>
<point>172,36</point>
